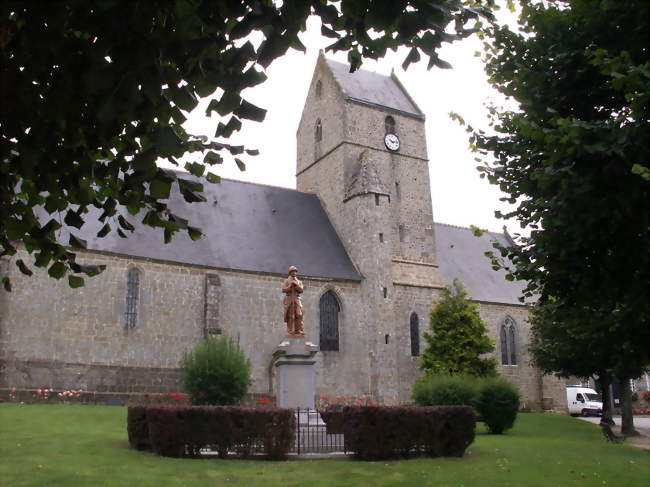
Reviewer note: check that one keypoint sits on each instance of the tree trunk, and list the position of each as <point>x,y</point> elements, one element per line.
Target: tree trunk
<point>627,420</point>
<point>605,382</point>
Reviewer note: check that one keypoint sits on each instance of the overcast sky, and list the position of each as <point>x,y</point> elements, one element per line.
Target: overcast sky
<point>459,196</point>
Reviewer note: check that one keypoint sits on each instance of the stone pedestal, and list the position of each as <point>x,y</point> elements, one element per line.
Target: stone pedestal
<point>295,359</point>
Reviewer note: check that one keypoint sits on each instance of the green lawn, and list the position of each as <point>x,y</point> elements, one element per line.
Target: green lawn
<point>46,445</point>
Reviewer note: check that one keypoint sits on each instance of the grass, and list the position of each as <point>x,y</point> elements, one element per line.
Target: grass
<point>87,446</point>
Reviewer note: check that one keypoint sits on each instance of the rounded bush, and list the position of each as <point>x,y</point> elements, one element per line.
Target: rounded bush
<point>497,405</point>
<point>445,390</point>
<point>216,372</point>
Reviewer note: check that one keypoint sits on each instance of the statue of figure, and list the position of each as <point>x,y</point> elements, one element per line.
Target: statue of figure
<point>293,288</point>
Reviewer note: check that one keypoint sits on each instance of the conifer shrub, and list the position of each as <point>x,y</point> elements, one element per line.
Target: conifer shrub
<point>216,372</point>
<point>498,403</point>
<point>445,390</point>
<point>458,340</point>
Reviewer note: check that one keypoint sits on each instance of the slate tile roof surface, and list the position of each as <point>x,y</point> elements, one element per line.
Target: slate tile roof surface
<point>461,255</point>
<point>259,228</point>
<point>246,226</point>
<point>373,88</point>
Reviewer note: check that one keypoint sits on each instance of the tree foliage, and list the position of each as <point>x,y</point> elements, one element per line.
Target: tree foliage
<point>573,159</point>
<point>95,92</point>
<point>458,337</point>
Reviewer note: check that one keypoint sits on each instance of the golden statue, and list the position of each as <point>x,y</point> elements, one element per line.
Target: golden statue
<point>293,288</point>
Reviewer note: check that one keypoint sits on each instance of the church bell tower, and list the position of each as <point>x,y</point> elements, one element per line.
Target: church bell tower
<point>362,149</point>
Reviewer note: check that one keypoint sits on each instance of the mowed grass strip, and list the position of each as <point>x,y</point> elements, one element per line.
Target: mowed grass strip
<point>87,446</point>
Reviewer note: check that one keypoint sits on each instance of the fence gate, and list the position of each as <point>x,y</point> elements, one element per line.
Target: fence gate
<point>311,435</point>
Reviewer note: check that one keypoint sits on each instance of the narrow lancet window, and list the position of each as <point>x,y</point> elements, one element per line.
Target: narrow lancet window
<point>319,131</point>
<point>415,335</point>
<point>329,310</point>
<point>132,295</point>
<point>508,342</point>
<point>389,123</point>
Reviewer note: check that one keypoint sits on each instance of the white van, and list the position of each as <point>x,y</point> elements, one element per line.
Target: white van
<point>584,401</point>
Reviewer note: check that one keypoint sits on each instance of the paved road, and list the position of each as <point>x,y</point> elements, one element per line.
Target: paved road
<point>639,421</point>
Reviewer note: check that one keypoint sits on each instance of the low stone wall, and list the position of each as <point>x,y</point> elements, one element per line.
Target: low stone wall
<point>27,374</point>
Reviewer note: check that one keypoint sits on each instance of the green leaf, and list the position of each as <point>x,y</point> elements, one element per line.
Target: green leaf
<point>76,243</point>
<point>413,57</point>
<point>233,125</point>
<point>250,111</point>
<point>104,231</point>
<point>168,142</point>
<point>75,281</point>
<point>327,32</point>
<point>213,178</point>
<point>73,219</point>
<point>212,158</point>
<point>23,268</point>
<point>92,270</point>
<point>228,103</point>
<point>160,189</point>
<point>194,233</point>
<point>240,164</point>
<point>124,223</point>
<point>57,270</point>
<point>195,168</point>
<point>182,97</point>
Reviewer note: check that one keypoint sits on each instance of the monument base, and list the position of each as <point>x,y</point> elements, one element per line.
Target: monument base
<point>295,359</point>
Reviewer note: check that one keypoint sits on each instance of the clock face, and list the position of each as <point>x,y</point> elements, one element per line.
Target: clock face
<point>392,142</point>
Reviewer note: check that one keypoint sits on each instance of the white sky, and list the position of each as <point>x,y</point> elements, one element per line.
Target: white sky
<point>459,196</point>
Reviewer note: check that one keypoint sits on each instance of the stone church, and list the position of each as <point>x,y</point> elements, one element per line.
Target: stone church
<point>359,228</point>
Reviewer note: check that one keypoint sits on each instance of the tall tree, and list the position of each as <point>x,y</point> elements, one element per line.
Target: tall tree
<point>573,159</point>
<point>458,339</point>
<point>94,92</point>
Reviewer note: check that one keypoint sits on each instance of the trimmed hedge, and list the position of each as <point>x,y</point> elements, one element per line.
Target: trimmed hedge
<point>496,400</point>
<point>498,403</point>
<point>382,432</point>
<point>180,431</point>
<point>446,390</point>
<point>138,428</point>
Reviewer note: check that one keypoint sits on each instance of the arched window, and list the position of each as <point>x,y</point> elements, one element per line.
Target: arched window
<point>132,294</point>
<point>415,335</point>
<point>508,339</point>
<point>319,131</point>
<point>319,89</point>
<point>389,124</point>
<point>329,310</point>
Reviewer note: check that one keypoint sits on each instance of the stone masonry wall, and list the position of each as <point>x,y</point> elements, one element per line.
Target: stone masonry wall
<point>56,336</point>
<point>535,389</point>
<point>52,335</point>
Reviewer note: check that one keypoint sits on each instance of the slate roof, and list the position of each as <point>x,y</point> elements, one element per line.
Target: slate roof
<point>364,179</point>
<point>246,226</point>
<point>461,255</point>
<point>373,89</point>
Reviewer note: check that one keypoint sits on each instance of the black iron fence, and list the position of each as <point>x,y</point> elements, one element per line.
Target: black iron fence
<point>313,435</point>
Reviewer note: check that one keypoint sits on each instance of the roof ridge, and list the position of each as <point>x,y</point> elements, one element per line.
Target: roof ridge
<point>243,182</point>
<point>466,228</point>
